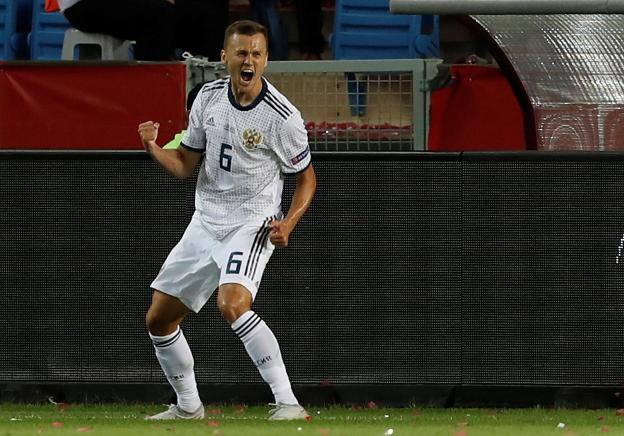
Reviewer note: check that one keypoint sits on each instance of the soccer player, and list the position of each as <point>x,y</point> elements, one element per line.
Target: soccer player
<point>250,135</point>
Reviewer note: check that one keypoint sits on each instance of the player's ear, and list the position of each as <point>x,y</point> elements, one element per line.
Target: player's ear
<point>223,56</point>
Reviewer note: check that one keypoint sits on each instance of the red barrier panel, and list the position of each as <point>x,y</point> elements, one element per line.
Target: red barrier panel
<point>72,105</point>
<point>478,112</point>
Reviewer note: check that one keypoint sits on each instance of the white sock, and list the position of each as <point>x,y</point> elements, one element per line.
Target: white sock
<point>262,347</point>
<point>177,363</point>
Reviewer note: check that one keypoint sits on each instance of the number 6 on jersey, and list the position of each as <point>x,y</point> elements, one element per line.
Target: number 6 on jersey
<point>225,160</point>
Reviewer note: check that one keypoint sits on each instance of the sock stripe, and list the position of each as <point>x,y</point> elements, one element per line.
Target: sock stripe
<point>248,326</point>
<point>246,323</point>
<point>168,342</point>
<point>251,328</point>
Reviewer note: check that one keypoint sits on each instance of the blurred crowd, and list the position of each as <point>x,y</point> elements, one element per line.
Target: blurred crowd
<point>162,29</point>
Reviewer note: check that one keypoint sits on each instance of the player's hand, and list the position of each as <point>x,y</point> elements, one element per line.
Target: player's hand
<point>148,131</point>
<point>279,233</point>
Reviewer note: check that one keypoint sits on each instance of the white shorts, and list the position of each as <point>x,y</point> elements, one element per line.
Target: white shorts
<point>199,263</point>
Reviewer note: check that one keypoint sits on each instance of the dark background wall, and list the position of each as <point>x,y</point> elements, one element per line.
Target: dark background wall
<point>413,277</point>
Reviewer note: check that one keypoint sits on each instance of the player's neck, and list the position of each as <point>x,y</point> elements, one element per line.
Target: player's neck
<point>245,97</point>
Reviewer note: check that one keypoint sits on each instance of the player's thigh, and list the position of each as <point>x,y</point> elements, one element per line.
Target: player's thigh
<point>166,309</point>
<point>244,256</point>
<point>190,272</point>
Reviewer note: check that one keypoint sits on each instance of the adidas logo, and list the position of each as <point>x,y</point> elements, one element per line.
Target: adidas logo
<point>211,122</point>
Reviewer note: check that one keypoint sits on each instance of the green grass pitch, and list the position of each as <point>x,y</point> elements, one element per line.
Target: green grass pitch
<point>239,420</point>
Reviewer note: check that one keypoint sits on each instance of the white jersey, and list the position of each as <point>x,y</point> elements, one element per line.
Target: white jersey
<point>247,151</point>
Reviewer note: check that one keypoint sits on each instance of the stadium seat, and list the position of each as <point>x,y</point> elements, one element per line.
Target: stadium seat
<point>47,34</point>
<point>110,48</point>
<point>15,20</point>
<point>7,25</point>
<point>365,29</point>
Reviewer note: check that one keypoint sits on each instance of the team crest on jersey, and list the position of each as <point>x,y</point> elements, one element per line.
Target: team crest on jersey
<point>251,139</point>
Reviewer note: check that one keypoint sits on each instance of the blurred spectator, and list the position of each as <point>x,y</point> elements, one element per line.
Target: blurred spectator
<point>157,26</point>
<point>310,28</point>
<point>200,26</point>
<point>266,12</point>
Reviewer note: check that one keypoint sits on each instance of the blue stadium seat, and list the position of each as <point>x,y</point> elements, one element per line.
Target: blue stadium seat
<point>48,31</point>
<point>6,27</point>
<point>15,19</point>
<point>365,29</point>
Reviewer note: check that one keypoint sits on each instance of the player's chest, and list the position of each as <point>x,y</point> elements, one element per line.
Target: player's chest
<point>236,145</point>
<point>244,132</point>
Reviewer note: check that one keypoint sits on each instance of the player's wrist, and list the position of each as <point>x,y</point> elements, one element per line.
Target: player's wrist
<point>290,224</point>
<point>149,145</point>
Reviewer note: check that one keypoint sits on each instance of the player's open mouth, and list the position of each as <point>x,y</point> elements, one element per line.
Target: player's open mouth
<point>247,75</point>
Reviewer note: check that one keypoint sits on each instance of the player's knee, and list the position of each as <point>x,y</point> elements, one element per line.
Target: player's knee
<point>231,311</point>
<point>228,310</point>
<point>233,301</point>
<point>157,324</point>
<point>151,320</point>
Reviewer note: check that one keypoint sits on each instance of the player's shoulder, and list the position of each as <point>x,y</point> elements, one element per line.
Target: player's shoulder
<point>214,86</point>
<point>210,91</point>
<point>278,104</point>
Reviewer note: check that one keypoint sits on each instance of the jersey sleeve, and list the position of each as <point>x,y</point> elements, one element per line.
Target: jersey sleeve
<point>195,136</point>
<point>291,145</point>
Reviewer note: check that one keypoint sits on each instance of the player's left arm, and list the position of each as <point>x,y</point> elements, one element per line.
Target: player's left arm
<point>302,197</point>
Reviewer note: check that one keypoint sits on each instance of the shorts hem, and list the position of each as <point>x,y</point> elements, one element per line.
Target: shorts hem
<point>182,300</point>
<point>244,281</point>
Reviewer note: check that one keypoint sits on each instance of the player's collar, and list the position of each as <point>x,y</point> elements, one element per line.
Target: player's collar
<point>255,103</point>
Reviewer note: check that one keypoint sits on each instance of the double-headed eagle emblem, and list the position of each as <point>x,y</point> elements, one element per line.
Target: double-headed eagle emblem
<point>251,139</point>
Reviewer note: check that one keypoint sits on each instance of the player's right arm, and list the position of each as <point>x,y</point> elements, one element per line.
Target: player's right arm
<point>179,162</point>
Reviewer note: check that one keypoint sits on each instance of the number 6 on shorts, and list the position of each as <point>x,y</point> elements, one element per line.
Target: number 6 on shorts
<point>234,265</point>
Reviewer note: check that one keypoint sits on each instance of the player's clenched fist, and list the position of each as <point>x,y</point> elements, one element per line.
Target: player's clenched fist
<point>279,233</point>
<point>148,131</point>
